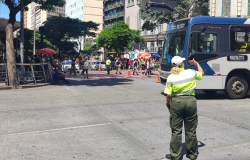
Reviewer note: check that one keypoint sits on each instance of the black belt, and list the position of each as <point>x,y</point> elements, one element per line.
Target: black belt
<point>183,95</point>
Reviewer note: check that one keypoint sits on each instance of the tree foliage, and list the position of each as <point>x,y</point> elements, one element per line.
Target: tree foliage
<point>67,34</point>
<point>137,39</point>
<point>117,37</point>
<point>14,7</point>
<point>184,9</point>
<point>29,41</point>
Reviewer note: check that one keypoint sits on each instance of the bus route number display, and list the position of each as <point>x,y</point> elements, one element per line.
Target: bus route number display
<point>237,58</point>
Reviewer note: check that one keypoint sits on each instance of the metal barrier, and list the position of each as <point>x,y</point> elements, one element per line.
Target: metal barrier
<point>28,73</point>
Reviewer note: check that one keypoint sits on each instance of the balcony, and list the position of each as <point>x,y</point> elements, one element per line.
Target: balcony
<point>110,7</point>
<point>118,15</point>
<point>153,49</point>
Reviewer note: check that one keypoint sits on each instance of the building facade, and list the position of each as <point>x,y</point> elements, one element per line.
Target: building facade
<point>113,11</point>
<point>86,10</point>
<point>230,8</point>
<point>35,16</point>
<point>133,19</point>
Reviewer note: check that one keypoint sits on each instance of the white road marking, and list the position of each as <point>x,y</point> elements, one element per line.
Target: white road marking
<point>58,129</point>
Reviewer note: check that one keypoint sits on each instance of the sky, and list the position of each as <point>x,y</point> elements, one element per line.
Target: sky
<point>4,12</point>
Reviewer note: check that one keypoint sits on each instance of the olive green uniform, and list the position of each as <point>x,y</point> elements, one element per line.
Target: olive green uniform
<point>183,108</point>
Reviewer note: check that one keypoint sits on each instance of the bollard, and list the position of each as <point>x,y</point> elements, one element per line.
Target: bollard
<point>99,67</point>
<point>129,76</point>
<point>158,76</point>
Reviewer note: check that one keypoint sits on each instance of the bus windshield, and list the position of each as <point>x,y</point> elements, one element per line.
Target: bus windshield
<point>173,46</point>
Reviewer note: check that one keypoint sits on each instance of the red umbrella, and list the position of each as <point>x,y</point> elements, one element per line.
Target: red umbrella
<point>144,54</point>
<point>46,51</point>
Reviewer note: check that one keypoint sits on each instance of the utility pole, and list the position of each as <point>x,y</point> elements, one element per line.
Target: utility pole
<point>22,32</point>
<point>34,45</point>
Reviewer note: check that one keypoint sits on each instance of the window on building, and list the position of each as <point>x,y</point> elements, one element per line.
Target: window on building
<point>128,20</point>
<point>128,2</point>
<point>132,2</point>
<point>240,39</point>
<point>213,8</point>
<point>153,32</point>
<point>139,21</point>
<point>238,8</point>
<point>152,46</point>
<point>160,44</point>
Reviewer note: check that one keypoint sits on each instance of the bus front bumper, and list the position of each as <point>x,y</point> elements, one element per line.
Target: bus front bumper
<point>163,76</point>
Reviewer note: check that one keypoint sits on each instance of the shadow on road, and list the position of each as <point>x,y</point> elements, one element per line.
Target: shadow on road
<point>100,82</point>
<point>200,144</point>
<point>200,95</point>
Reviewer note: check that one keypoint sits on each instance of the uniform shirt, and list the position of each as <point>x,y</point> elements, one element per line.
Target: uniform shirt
<point>108,62</point>
<point>183,83</point>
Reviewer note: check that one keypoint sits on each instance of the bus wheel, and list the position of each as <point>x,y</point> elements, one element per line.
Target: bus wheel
<point>209,91</point>
<point>237,87</point>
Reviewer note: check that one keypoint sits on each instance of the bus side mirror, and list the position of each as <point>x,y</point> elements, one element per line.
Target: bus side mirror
<point>160,51</point>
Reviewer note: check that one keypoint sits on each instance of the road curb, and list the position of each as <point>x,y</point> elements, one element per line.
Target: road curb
<point>26,86</point>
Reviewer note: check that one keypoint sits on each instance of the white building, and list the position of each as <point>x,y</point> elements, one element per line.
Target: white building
<point>133,19</point>
<point>230,8</point>
<point>36,14</point>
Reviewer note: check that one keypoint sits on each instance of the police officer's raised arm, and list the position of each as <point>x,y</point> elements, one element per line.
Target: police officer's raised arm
<point>193,62</point>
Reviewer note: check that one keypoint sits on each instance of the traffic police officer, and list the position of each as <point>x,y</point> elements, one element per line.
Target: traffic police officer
<point>108,62</point>
<point>180,90</point>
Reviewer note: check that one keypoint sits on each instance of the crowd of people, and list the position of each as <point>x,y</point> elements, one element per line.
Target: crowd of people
<point>140,65</point>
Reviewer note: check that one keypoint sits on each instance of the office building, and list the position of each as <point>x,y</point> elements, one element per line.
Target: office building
<point>113,11</point>
<point>36,16</point>
<point>133,19</point>
<point>86,10</point>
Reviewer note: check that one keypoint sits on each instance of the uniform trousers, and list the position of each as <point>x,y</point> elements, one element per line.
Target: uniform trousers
<point>183,109</point>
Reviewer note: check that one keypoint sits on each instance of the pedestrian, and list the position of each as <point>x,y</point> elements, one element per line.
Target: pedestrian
<point>85,68</point>
<point>118,66</point>
<point>73,68</point>
<point>108,62</point>
<point>135,67</point>
<point>147,70</point>
<point>143,65</point>
<point>180,90</point>
<point>139,65</point>
<point>57,76</point>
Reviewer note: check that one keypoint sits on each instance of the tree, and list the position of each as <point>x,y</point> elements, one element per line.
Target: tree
<point>138,39</point>
<point>62,31</point>
<point>91,49</point>
<point>14,7</point>
<point>184,9</point>
<point>116,37</point>
<point>28,41</point>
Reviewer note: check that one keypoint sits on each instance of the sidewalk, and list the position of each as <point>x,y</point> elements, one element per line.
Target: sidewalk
<point>3,87</point>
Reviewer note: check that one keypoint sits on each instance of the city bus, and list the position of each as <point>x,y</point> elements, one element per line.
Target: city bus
<point>220,44</point>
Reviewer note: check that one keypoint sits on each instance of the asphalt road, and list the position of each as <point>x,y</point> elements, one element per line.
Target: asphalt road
<point>114,119</point>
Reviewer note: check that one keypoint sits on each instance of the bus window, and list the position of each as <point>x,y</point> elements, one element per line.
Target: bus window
<point>209,44</point>
<point>240,39</point>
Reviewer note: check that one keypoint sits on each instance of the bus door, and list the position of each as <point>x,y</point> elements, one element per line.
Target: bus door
<point>203,47</point>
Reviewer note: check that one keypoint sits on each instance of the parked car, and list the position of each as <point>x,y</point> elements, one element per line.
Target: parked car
<point>66,66</point>
<point>103,65</point>
<point>92,66</point>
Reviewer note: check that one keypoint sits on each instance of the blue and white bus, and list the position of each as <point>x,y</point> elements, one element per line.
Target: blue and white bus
<point>221,45</point>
